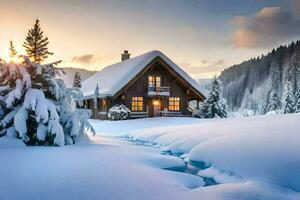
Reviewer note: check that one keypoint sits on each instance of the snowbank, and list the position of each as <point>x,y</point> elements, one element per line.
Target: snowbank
<point>8,142</point>
<point>260,148</point>
<point>254,158</point>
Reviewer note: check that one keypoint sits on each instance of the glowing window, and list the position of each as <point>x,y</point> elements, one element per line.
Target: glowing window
<point>137,104</point>
<point>174,103</point>
<point>154,81</point>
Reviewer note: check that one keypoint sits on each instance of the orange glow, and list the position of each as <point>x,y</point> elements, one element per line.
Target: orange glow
<point>156,103</point>
<point>16,59</point>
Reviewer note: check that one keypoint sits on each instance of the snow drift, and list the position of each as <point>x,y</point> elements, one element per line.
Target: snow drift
<point>261,148</point>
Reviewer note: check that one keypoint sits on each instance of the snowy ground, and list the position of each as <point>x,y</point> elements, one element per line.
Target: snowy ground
<point>247,158</point>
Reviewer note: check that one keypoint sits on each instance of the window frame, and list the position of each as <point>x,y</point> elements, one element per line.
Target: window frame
<point>154,81</point>
<point>174,104</point>
<point>137,103</point>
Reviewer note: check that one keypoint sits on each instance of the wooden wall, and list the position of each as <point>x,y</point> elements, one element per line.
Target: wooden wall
<point>140,88</point>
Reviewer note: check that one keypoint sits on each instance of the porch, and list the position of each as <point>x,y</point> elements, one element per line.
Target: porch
<point>164,113</point>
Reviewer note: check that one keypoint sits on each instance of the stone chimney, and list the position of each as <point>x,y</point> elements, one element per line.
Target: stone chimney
<point>125,55</point>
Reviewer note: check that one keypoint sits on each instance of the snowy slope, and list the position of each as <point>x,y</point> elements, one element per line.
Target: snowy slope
<point>261,149</point>
<point>249,84</point>
<point>255,158</point>
<point>114,77</point>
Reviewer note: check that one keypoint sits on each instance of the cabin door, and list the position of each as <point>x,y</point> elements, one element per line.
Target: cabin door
<point>156,107</point>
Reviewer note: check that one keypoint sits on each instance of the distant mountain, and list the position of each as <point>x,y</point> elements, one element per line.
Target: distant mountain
<point>68,77</point>
<point>250,84</point>
<point>204,82</point>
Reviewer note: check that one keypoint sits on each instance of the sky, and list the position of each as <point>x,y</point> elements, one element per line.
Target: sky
<point>202,36</point>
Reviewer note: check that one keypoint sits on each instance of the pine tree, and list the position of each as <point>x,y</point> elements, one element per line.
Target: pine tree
<point>275,103</point>
<point>289,99</point>
<point>214,106</point>
<point>77,80</point>
<point>36,45</point>
<point>12,51</point>
<point>297,101</point>
<point>36,107</point>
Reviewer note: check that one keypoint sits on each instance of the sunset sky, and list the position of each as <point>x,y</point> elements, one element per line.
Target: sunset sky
<point>202,36</point>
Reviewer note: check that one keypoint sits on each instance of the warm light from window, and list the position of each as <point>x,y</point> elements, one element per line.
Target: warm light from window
<point>137,104</point>
<point>174,103</point>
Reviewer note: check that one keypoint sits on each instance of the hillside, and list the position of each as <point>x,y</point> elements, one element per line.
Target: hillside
<point>250,84</point>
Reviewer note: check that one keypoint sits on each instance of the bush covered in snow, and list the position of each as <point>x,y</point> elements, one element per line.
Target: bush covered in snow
<point>119,112</point>
<point>37,108</point>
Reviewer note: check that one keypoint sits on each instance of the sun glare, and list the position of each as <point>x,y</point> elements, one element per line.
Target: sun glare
<point>15,59</point>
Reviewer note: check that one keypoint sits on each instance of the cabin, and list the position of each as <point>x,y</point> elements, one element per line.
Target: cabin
<point>150,85</point>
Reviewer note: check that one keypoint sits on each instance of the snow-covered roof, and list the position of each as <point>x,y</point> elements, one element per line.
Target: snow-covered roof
<point>114,77</point>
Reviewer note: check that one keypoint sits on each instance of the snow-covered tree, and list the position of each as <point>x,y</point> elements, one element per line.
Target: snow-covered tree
<point>214,105</point>
<point>36,45</point>
<point>275,103</point>
<point>289,99</point>
<point>272,99</point>
<point>297,101</point>
<point>77,80</point>
<point>38,108</point>
<point>275,75</point>
<point>12,50</point>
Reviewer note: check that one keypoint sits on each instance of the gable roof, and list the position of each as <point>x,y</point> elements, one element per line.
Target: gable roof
<point>113,78</point>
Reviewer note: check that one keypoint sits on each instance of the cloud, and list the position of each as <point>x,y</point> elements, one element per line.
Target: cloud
<point>266,28</point>
<point>212,67</point>
<point>295,6</point>
<point>85,59</point>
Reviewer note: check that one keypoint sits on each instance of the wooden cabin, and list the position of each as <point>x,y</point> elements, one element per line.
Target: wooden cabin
<point>150,85</point>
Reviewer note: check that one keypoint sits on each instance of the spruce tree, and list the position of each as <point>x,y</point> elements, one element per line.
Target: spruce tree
<point>36,107</point>
<point>36,44</point>
<point>289,99</point>
<point>77,80</point>
<point>12,51</point>
<point>214,105</point>
<point>297,101</point>
<point>275,103</point>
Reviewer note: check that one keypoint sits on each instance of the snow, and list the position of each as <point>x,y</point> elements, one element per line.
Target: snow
<point>218,176</point>
<point>56,129</point>
<point>41,132</point>
<point>15,93</point>
<point>35,100</point>
<point>9,142</point>
<point>262,149</point>
<point>114,77</point>
<point>20,123</point>
<point>110,170</point>
<point>117,128</point>
<point>253,158</point>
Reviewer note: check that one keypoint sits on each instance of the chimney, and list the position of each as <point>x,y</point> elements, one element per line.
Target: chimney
<point>125,55</point>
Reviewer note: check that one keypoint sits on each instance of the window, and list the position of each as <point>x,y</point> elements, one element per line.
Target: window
<point>154,81</point>
<point>137,104</point>
<point>174,103</point>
